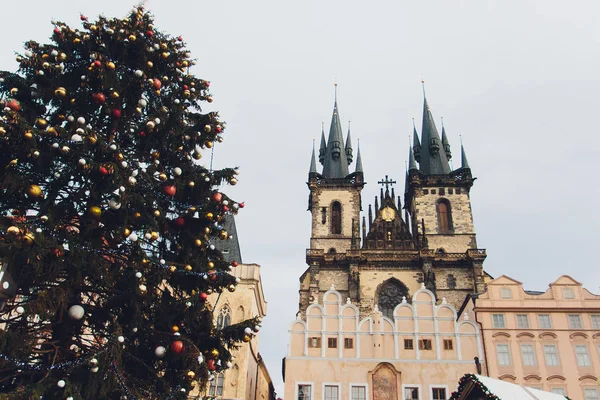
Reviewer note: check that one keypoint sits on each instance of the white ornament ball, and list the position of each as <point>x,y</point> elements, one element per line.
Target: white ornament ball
<point>248,331</point>
<point>132,180</point>
<point>28,53</point>
<point>70,118</point>
<point>139,73</point>
<point>82,161</point>
<point>61,383</point>
<point>81,121</point>
<point>160,352</point>
<point>200,359</point>
<point>150,124</point>
<point>133,237</point>
<point>138,275</point>
<point>76,138</point>
<point>95,369</point>
<point>20,310</point>
<point>148,236</point>
<point>121,339</point>
<point>114,204</point>
<point>177,171</point>
<point>256,328</point>
<point>76,312</point>
<point>229,364</point>
<point>142,103</point>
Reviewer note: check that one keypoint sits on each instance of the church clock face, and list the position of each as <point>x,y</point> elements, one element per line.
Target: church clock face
<point>388,214</point>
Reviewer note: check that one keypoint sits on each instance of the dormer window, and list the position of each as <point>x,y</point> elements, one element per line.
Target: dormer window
<point>568,293</point>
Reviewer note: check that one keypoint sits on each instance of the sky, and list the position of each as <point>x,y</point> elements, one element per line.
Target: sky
<point>517,80</point>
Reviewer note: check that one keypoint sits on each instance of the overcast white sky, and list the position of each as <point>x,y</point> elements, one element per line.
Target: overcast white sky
<point>519,80</point>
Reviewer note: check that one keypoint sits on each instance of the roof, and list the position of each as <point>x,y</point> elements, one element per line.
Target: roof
<point>230,248</point>
<point>501,389</point>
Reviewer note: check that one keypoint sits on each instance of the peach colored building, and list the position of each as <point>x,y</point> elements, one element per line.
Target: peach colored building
<point>545,340</point>
<point>420,353</point>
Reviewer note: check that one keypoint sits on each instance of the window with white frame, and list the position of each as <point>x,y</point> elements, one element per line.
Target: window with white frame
<point>522,321</point>
<point>304,392</point>
<point>332,392</point>
<point>583,355</point>
<point>498,320</point>
<point>216,385</point>
<point>438,393</point>
<point>596,321</point>
<point>544,321</point>
<point>590,393</point>
<point>506,293</point>
<point>568,293</point>
<point>575,321</point>
<point>503,353</point>
<point>559,390</point>
<point>551,355</point>
<point>411,393</point>
<point>358,393</point>
<point>528,355</point>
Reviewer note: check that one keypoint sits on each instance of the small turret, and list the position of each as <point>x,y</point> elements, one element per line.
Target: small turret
<point>464,162</point>
<point>359,166</point>
<point>323,147</point>
<point>349,146</point>
<point>445,142</point>
<point>416,144</point>
<point>313,162</point>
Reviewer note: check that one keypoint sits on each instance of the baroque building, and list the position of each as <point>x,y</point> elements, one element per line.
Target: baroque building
<point>377,308</point>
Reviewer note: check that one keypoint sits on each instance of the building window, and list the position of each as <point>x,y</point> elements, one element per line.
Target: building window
<point>522,321</point>
<point>568,293</point>
<point>551,355</point>
<point>411,393</point>
<point>559,390</point>
<point>224,318</point>
<point>498,320</point>
<point>336,218</point>
<point>424,344</point>
<point>503,352</point>
<point>358,393</point>
<point>332,392</point>
<point>575,321</point>
<point>444,216</point>
<point>390,296</point>
<point>595,321</point>
<point>408,344</point>
<point>216,385</point>
<point>583,355</point>
<point>590,393</point>
<point>451,281</point>
<point>348,343</point>
<point>448,344</point>
<point>528,355</point>
<point>314,342</point>
<point>544,321</point>
<point>304,392</point>
<point>323,215</point>
<point>332,343</point>
<point>506,293</point>
<point>438,393</point>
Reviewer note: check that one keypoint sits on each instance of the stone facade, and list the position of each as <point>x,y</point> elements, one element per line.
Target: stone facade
<point>422,347</point>
<point>248,378</point>
<point>546,340</point>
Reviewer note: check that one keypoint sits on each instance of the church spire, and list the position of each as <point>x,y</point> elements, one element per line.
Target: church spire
<point>323,146</point>
<point>313,161</point>
<point>349,146</point>
<point>416,143</point>
<point>412,164</point>
<point>445,142</point>
<point>335,165</point>
<point>464,162</point>
<point>359,167</point>
<point>433,157</point>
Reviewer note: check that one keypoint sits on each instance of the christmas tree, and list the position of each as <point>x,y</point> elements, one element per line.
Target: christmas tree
<point>108,218</point>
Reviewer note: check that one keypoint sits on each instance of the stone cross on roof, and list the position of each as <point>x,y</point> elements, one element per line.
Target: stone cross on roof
<point>387,182</point>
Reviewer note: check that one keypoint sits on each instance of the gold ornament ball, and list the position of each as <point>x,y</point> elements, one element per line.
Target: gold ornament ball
<point>13,230</point>
<point>209,144</point>
<point>186,93</point>
<point>157,213</point>
<point>126,232</point>
<point>191,374</point>
<point>215,353</point>
<point>165,55</point>
<point>154,236</point>
<point>231,288</point>
<point>188,267</point>
<point>172,268</point>
<point>60,92</point>
<point>209,215</point>
<point>62,57</point>
<point>114,95</point>
<point>191,184</point>
<point>198,242</point>
<point>211,264</point>
<point>131,38</point>
<point>28,135</point>
<point>223,235</point>
<point>41,123</point>
<point>34,191</point>
<point>2,131</point>
<point>196,155</point>
<point>150,64</point>
<point>96,211</point>
<point>28,238</point>
<point>233,181</point>
<point>247,338</point>
<point>174,329</point>
<point>110,65</point>
<point>162,177</point>
<point>14,91</point>
<point>76,40</point>
<point>137,214</point>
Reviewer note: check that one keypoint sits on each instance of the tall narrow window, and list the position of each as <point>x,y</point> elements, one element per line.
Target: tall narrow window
<point>336,218</point>
<point>551,355</point>
<point>583,356</point>
<point>444,216</point>
<point>528,355</point>
<point>224,318</point>
<point>323,215</point>
<point>575,321</point>
<point>216,385</point>
<point>544,321</point>
<point>522,321</point>
<point>498,320</point>
<point>503,354</point>
<point>451,281</point>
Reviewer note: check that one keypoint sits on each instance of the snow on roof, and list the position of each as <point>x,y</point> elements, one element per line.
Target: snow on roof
<point>510,391</point>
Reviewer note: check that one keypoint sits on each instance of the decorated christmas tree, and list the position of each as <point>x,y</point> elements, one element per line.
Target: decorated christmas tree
<point>108,218</point>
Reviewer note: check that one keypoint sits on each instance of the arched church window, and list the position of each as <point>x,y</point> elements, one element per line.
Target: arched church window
<point>390,295</point>
<point>336,218</point>
<point>451,281</point>
<point>444,216</point>
<point>224,318</point>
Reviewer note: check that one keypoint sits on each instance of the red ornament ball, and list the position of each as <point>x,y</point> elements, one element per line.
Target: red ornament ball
<point>180,222</point>
<point>177,347</point>
<point>217,196</point>
<point>99,98</point>
<point>235,263</point>
<point>242,205</point>
<point>149,33</point>
<point>116,113</point>
<point>170,190</point>
<point>210,364</point>
<point>103,171</point>
<point>203,296</point>
<point>156,83</point>
<point>97,64</point>
<point>83,17</point>
<point>180,38</point>
<point>57,31</point>
<point>13,105</point>
<point>225,208</point>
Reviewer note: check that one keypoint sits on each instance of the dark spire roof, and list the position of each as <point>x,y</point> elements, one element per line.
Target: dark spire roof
<point>359,167</point>
<point>416,149</point>
<point>445,143</point>
<point>464,162</point>
<point>412,163</point>
<point>349,146</point>
<point>323,147</point>
<point>313,161</point>
<point>231,247</point>
<point>335,164</point>
<point>433,157</point>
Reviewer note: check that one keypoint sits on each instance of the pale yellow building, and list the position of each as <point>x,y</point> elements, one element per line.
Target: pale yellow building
<point>545,340</point>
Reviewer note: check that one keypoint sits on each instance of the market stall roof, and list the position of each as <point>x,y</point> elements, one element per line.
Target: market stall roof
<point>502,390</point>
